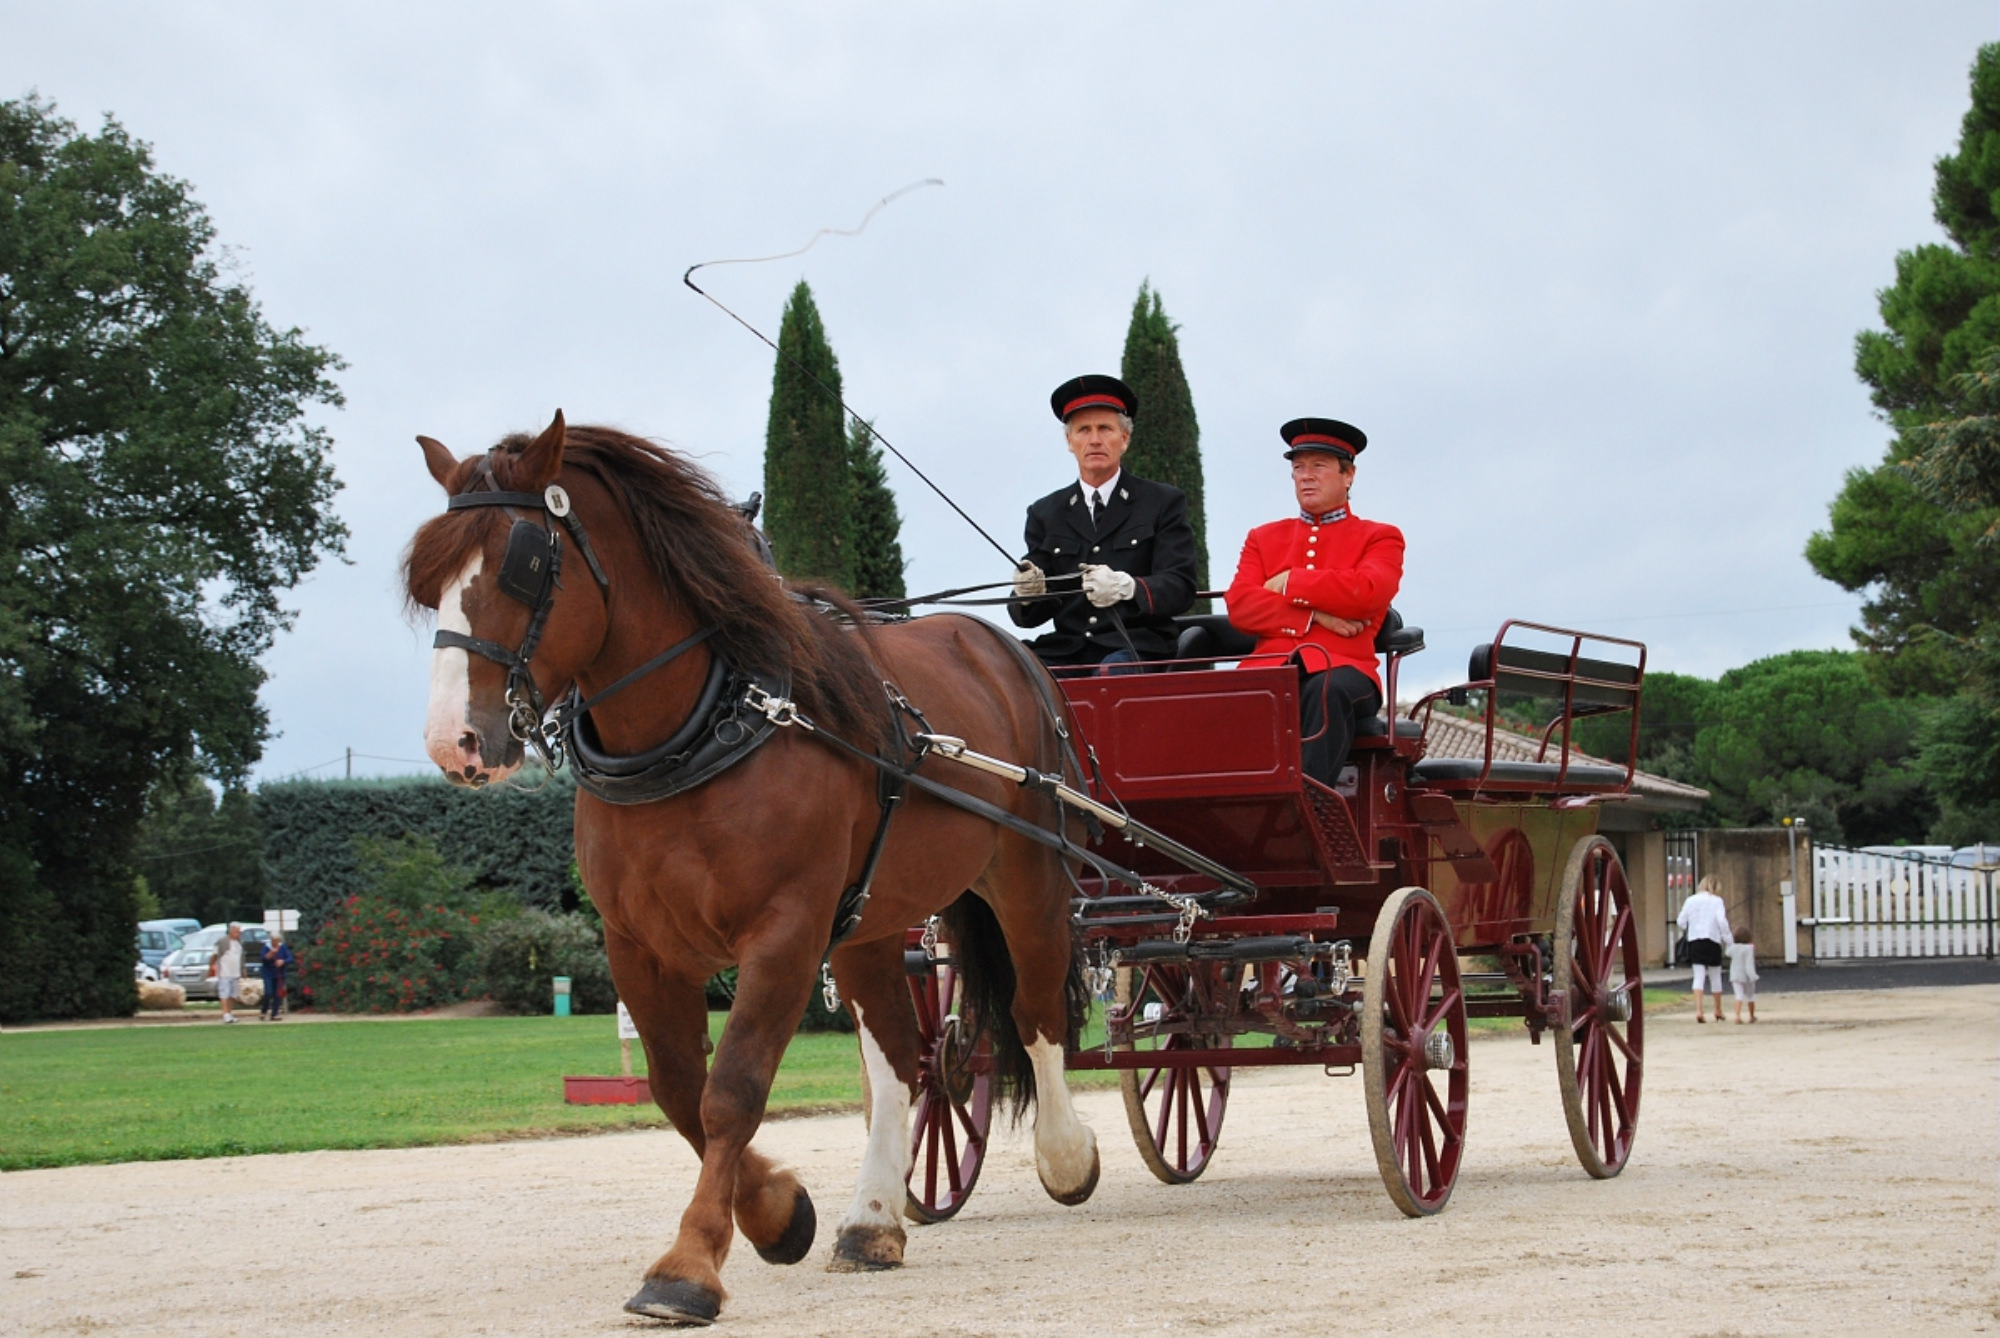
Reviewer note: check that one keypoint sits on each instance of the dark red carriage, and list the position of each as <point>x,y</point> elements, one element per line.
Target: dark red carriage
<point>1373,902</point>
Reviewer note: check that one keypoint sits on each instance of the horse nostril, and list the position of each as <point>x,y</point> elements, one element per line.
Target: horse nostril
<point>468,742</point>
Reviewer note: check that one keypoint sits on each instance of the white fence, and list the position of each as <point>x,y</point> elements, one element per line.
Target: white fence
<point>1870,905</point>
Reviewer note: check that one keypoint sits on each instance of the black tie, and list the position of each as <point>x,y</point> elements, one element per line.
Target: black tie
<point>1096,505</point>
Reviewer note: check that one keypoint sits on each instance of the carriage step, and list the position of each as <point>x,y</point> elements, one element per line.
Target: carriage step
<point>1269,948</point>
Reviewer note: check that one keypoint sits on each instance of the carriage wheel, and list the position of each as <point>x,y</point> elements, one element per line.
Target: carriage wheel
<point>954,1099</point>
<point>1175,1113</point>
<point>1413,1044</point>
<point>1599,1052</point>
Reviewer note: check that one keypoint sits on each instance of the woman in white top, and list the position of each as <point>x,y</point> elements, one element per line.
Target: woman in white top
<point>1705,922</point>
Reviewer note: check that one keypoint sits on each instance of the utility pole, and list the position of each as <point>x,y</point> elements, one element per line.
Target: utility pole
<point>350,774</point>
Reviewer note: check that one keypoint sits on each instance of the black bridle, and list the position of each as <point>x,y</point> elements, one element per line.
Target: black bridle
<point>531,572</point>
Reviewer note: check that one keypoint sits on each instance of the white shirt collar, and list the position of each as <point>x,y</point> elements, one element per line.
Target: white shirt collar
<point>1105,490</point>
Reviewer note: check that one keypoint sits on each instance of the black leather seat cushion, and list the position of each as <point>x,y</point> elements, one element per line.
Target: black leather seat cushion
<point>1375,727</point>
<point>1582,775</point>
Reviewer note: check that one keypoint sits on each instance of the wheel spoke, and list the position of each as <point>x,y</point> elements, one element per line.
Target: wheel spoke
<point>1606,961</point>
<point>1202,1139</point>
<point>1446,1003</point>
<point>1624,1046</point>
<point>1430,1147</point>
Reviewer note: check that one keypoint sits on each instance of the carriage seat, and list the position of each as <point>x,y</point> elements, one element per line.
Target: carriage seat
<point>1582,775</point>
<point>1375,727</point>
<point>1206,636</point>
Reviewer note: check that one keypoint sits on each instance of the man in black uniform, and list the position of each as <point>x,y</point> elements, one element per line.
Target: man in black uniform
<point>1126,538</point>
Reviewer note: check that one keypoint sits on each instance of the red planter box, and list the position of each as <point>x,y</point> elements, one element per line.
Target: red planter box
<point>612,1091</point>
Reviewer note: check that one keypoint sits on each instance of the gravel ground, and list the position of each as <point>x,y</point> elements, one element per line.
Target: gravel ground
<point>1831,1170</point>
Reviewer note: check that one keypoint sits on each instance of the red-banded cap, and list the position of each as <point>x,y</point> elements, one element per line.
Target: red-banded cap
<point>1093,392</point>
<point>1323,434</point>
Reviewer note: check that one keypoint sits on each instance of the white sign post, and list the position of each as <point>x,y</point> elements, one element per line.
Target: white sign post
<point>280,922</point>
<point>627,1033</point>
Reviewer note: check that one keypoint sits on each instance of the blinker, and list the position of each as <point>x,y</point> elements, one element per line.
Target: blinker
<point>525,571</point>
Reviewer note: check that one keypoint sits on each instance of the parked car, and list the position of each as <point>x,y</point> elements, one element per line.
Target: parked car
<point>155,944</point>
<point>181,926</point>
<point>1976,856</point>
<point>187,966</point>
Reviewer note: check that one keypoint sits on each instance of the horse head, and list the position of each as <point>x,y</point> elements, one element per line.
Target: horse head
<point>512,635</point>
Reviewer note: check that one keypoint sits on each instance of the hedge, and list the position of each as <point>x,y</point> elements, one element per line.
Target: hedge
<point>511,840</point>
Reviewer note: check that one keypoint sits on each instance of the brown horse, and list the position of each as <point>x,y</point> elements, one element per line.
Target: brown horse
<point>747,868</point>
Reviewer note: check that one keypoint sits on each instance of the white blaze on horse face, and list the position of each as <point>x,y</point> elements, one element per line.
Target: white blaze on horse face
<point>885,1168</point>
<point>1065,1149</point>
<point>449,721</point>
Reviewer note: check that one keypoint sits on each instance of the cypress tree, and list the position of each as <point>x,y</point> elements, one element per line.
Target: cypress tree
<point>877,546</point>
<point>808,499</point>
<point>1166,440</point>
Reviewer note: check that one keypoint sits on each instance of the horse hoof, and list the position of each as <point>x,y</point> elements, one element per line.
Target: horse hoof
<point>864,1249</point>
<point>797,1241</point>
<point>1082,1192</point>
<point>678,1302</point>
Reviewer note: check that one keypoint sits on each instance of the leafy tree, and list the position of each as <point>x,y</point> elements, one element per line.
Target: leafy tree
<point>1808,733</point>
<point>1166,439</point>
<point>878,545</point>
<point>808,497</point>
<point>1909,532</point>
<point>198,857</point>
<point>162,488</point>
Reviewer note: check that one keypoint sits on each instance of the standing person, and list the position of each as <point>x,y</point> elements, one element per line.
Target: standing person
<point>227,968</point>
<point>1124,542</point>
<point>1743,973</point>
<point>1317,588</point>
<point>278,958</point>
<point>1705,922</point>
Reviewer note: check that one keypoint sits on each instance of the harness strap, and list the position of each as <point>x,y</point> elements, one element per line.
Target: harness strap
<point>525,500</point>
<point>664,658</point>
<point>446,639</point>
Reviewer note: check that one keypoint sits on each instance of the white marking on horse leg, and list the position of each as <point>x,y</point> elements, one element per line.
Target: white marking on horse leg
<point>1065,1148</point>
<point>450,714</point>
<point>880,1191</point>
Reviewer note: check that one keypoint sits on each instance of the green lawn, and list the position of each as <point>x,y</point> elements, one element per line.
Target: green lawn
<point>205,1090</point>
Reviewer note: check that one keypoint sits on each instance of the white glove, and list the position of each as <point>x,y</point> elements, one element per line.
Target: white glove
<point>1029,581</point>
<point>1105,587</point>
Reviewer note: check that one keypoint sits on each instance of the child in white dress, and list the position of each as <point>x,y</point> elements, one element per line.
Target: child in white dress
<point>1743,972</point>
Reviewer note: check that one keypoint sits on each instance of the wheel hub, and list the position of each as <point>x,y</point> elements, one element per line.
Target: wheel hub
<point>1617,1005</point>
<point>952,1060</point>
<point>1439,1052</point>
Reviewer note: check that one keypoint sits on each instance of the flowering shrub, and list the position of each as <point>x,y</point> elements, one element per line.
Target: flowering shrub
<point>374,956</point>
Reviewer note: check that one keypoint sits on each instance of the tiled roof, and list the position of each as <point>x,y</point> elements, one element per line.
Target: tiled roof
<point>1451,736</point>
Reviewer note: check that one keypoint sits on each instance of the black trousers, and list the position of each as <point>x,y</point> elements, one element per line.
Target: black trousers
<point>1329,704</point>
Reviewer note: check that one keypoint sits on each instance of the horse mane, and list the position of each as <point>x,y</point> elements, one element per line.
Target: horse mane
<point>700,549</point>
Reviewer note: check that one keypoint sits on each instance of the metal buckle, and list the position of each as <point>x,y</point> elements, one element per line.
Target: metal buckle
<point>780,711</point>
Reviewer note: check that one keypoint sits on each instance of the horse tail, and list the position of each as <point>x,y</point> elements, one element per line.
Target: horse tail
<point>986,1001</point>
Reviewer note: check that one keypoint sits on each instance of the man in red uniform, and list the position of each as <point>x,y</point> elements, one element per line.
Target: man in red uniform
<point>1315,589</point>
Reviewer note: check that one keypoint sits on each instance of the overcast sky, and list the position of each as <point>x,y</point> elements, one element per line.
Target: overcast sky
<point>1589,276</point>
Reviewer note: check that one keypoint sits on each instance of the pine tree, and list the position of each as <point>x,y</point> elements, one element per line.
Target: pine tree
<point>808,499</point>
<point>1166,439</point>
<point>877,545</point>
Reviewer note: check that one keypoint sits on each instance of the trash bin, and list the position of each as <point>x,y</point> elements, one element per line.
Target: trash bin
<point>562,996</point>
